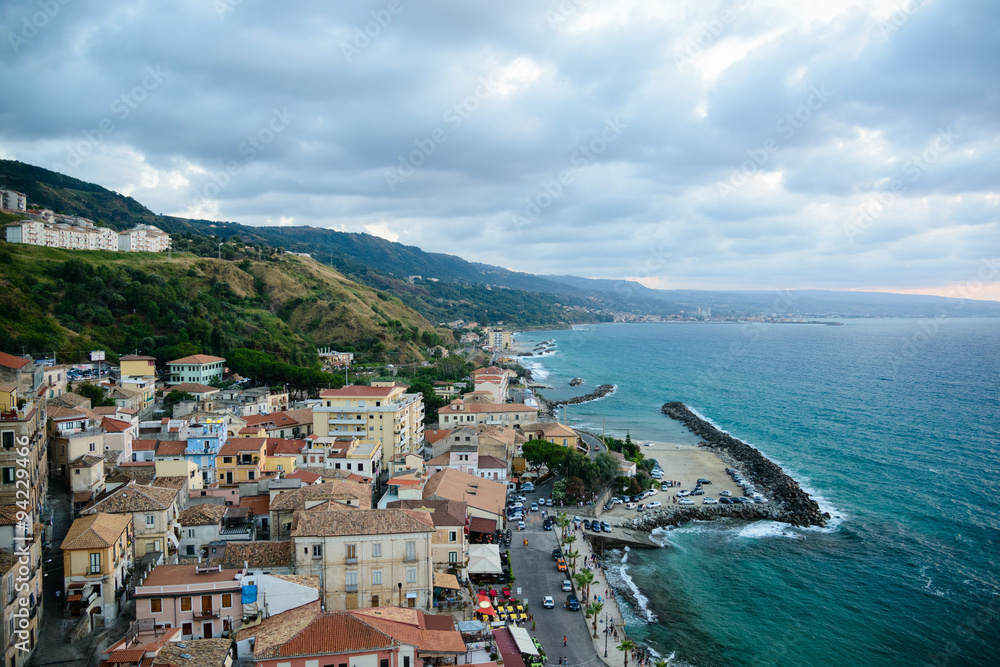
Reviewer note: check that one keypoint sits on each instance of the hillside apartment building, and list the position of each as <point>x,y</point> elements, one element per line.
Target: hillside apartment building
<point>385,414</point>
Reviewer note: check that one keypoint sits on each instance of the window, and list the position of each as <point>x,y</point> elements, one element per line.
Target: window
<point>376,549</point>
<point>185,604</point>
<point>227,599</point>
<point>95,563</point>
<point>186,629</point>
<point>190,550</point>
<point>155,605</point>
<point>150,521</point>
<point>406,661</point>
<point>227,459</point>
<point>452,535</point>
<point>411,575</point>
<point>383,663</point>
<point>452,556</point>
<point>8,475</point>
<point>351,551</point>
<point>93,446</point>
<point>376,577</point>
<point>251,475</point>
<point>190,532</point>
<point>411,551</point>
<point>317,551</point>
<point>8,439</point>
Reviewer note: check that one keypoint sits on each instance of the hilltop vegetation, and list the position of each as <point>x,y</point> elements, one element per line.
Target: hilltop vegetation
<point>72,302</point>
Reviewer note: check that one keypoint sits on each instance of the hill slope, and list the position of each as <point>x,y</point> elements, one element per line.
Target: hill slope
<point>72,302</point>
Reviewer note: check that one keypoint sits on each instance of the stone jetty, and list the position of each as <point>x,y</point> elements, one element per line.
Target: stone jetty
<point>600,392</point>
<point>788,502</point>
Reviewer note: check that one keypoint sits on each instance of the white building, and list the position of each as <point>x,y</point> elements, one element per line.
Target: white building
<point>12,200</point>
<point>143,238</point>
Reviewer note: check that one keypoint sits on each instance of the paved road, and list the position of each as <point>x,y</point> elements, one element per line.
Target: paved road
<point>537,577</point>
<point>591,441</point>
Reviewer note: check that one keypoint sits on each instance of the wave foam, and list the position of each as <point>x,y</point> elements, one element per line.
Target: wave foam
<point>761,529</point>
<point>641,601</point>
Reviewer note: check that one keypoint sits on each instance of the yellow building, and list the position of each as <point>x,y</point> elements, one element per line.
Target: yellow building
<point>386,414</point>
<point>281,455</point>
<point>98,554</point>
<point>241,460</point>
<point>153,511</point>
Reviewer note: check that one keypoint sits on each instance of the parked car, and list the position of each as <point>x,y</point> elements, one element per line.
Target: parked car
<point>685,501</point>
<point>557,553</point>
<point>527,487</point>
<point>683,492</point>
<point>547,524</point>
<point>595,526</point>
<point>709,501</point>
<point>548,602</point>
<point>567,585</point>
<point>617,501</point>
<point>640,508</point>
<point>605,526</point>
<point>561,565</point>
<point>725,492</point>
<point>631,506</point>
<point>520,525</point>
<point>654,505</point>
<point>651,492</point>
<point>586,524</point>
<point>697,492</point>
<point>723,500</point>
<point>572,602</point>
<point>704,481</point>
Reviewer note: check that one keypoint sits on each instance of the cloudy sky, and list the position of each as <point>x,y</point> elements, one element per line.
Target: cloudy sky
<point>685,143</point>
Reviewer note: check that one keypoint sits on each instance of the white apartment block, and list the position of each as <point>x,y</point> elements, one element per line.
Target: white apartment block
<point>143,238</point>
<point>12,200</point>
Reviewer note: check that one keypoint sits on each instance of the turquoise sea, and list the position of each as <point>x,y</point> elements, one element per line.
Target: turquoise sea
<point>893,425</point>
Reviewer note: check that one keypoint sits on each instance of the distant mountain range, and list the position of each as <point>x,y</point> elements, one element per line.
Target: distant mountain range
<point>450,285</point>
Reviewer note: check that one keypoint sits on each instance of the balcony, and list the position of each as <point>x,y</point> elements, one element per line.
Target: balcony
<point>340,422</point>
<point>351,561</point>
<point>351,588</point>
<point>206,614</point>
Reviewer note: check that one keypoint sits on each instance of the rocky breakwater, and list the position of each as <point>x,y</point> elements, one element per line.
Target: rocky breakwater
<point>602,391</point>
<point>789,503</point>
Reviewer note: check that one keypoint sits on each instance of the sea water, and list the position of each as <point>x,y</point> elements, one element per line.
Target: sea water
<point>892,425</point>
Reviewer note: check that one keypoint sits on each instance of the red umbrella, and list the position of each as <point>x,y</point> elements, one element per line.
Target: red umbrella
<point>485,607</point>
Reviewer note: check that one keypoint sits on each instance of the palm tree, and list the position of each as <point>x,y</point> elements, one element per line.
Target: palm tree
<point>571,556</point>
<point>569,540</point>
<point>597,608</point>
<point>563,521</point>
<point>661,663</point>
<point>583,580</point>
<point>626,647</point>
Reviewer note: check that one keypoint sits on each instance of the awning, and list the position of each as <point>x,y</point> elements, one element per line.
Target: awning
<point>445,580</point>
<point>478,524</point>
<point>523,640</point>
<point>484,559</point>
<point>484,606</point>
<point>470,626</point>
<point>507,648</point>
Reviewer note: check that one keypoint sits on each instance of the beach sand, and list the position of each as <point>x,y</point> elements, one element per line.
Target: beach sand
<point>685,464</point>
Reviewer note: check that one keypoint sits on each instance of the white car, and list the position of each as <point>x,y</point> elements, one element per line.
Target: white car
<point>709,501</point>
<point>566,585</point>
<point>681,494</point>
<point>631,506</point>
<point>651,492</point>
<point>724,492</point>
<point>520,525</point>
<point>616,501</point>
<point>685,501</point>
<point>548,602</point>
<point>654,504</point>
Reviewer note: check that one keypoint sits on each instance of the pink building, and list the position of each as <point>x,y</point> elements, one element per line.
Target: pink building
<point>203,601</point>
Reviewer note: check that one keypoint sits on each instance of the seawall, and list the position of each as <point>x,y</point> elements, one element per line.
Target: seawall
<point>601,391</point>
<point>789,503</point>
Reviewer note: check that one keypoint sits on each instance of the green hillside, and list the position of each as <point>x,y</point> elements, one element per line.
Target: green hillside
<point>71,302</point>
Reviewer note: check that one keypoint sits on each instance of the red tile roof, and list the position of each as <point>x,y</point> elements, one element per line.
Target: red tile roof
<point>197,359</point>
<point>114,425</point>
<point>10,361</point>
<point>258,504</point>
<point>237,445</point>
<point>305,476</point>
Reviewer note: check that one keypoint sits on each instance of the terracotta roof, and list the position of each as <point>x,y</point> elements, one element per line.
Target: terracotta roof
<point>478,524</point>
<point>361,522</point>
<point>307,630</point>
<point>301,415</point>
<point>95,531</point>
<point>171,447</point>
<point>284,446</point>
<point>337,490</point>
<point>259,554</point>
<point>193,388</point>
<point>443,512</point>
<point>10,361</point>
<point>259,504</point>
<point>114,425</point>
<point>238,445</point>
<point>480,493</point>
<point>306,476</point>
<point>139,445</point>
<point>430,633</point>
<point>443,460</point>
<point>207,514</point>
<point>491,462</point>
<point>194,653</point>
<point>360,391</point>
<point>197,359</point>
<point>8,515</point>
<point>173,575</point>
<point>175,482</point>
<point>433,435</point>
<point>134,498</point>
<point>69,400</point>
<point>87,461</point>
<point>310,580</point>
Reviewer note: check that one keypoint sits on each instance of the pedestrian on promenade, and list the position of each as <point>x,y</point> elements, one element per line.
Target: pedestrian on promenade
<point>564,640</point>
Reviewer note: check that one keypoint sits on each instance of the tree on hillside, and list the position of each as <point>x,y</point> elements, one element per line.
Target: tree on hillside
<point>542,452</point>
<point>96,395</point>
<point>432,402</point>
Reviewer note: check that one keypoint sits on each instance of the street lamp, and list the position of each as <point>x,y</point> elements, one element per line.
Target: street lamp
<point>607,631</point>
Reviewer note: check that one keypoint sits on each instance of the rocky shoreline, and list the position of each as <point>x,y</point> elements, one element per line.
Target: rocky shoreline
<point>788,502</point>
<point>601,391</point>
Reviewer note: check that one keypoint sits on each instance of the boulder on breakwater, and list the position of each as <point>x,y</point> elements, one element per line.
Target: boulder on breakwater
<point>789,503</point>
<point>601,391</point>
